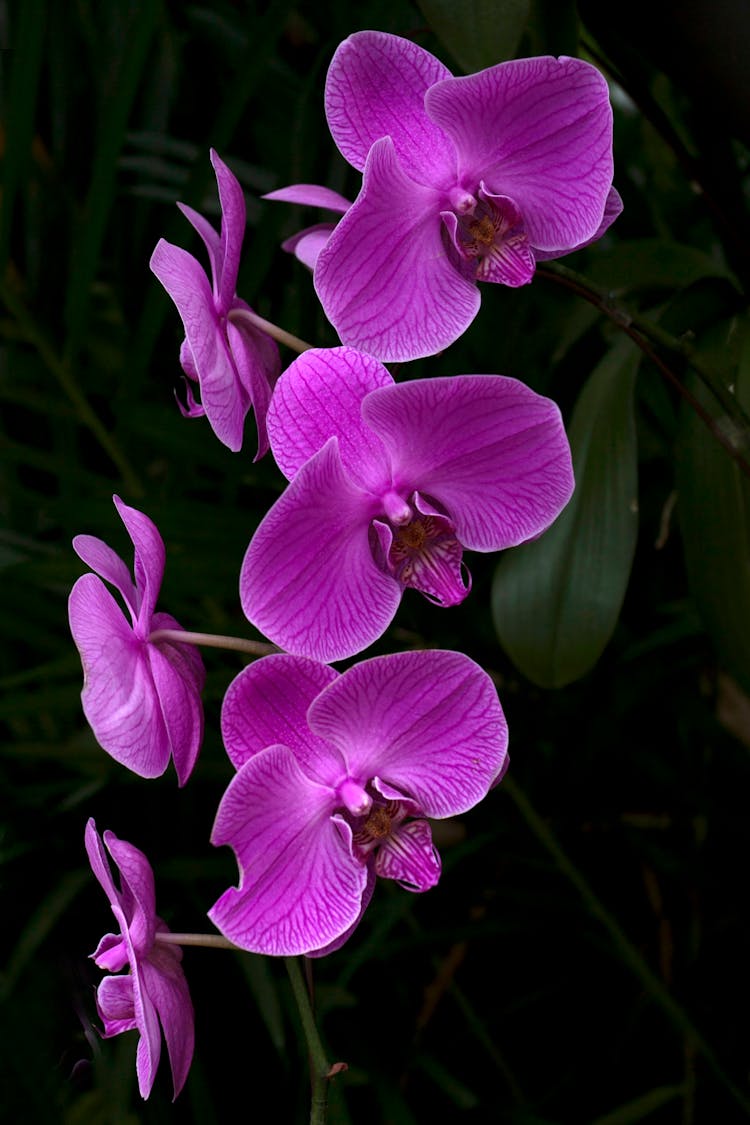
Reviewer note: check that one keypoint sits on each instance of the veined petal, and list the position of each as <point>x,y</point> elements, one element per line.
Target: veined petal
<point>366,897</point>
<point>118,697</point>
<point>164,981</point>
<point>375,88</point>
<point>149,562</point>
<point>384,277</point>
<point>612,209</point>
<point>137,881</point>
<point>114,1002</point>
<point>490,450</point>
<point>267,704</point>
<point>223,397</point>
<point>540,131</point>
<point>307,244</point>
<point>233,213</point>
<point>427,722</point>
<point>319,396</point>
<point>310,195</point>
<point>180,703</point>
<point>211,241</point>
<point>309,581</point>
<point>300,887</point>
<point>109,566</point>
<point>409,856</point>
<point>256,358</point>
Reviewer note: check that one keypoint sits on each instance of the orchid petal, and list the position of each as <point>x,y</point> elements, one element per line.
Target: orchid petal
<point>409,856</point>
<point>300,887</point>
<point>164,981</point>
<point>319,396</point>
<point>211,241</point>
<point>384,277</point>
<point>307,244</point>
<point>256,357</point>
<point>114,1002</point>
<point>308,580</point>
<point>119,698</point>
<point>267,704</point>
<point>150,557</point>
<point>492,452</point>
<point>180,704</point>
<point>137,880</point>
<point>311,195</point>
<point>427,722</point>
<point>109,566</point>
<point>222,395</point>
<point>612,209</point>
<point>540,131</point>
<point>375,88</point>
<point>233,215</point>
<point>342,938</point>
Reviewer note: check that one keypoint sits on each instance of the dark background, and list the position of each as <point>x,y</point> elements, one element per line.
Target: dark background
<point>584,958</point>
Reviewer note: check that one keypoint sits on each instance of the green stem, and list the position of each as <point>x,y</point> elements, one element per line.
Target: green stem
<point>212,640</point>
<point>210,941</point>
<point>734,431</point>
<point>319,1066</point>
<point>626,950</point>
<point>65,378</point>
<point>246,316</point>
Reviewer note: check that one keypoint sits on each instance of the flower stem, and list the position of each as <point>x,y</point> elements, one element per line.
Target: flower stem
<point>732,431</point>
<point>211,941</point>
<point>320,1069</point>
<point>213,640</point>
<point>620,942</point>
<point>246,316</point>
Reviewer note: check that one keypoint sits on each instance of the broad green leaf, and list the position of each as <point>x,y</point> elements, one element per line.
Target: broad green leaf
<point>654,263</point>
<point>478,33</point>
<point>556,600</point>
<point>714,514</point>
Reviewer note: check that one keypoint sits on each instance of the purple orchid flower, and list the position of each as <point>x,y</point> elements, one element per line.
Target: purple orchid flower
<point>307,244</point>
<point>389,483</point>
<point>155,990</point>
<point>234,364</point>
<point>465,180</point>
<point>335,776</point>
<point>142,698</point>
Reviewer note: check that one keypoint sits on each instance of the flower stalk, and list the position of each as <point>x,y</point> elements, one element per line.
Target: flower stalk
<point>247,316</point>
<point>212,640</point>
<point>320,1069</point>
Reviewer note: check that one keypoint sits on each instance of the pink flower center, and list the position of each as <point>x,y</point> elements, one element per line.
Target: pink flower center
<point>491,235</point>
<point>399,849</point>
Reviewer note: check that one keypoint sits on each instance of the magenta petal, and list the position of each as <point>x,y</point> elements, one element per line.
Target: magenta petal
<point>375,88</point>
<point>491,451</point>
<point>164,981</point>
<point>320,396</point>
<point>233,215</point>
<point>115,1004</point>
<point>409,856</point>
<point>119,699</point>
<point>428,723</point>
<point>211,241</point>
<point>311,195</point>
<point>344,937</point>
<point>540,131</point>
<point>384,277</point>
<point>256,358</point>
<point>267,704</point>
<point>300,887</point>
<point>150,557</point>
<point>223,397</point>
<point>139,900</point>
<point>109,566</point>
<point>307,244</point>
<point>180,704</point>
<point>612,209</point>
<point>309,581</point>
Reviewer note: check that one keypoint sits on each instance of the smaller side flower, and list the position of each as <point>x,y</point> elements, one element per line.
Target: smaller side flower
<point>234,365</point>
<point>307,244</point>
<point>154,992</point>
<point>142,698</point>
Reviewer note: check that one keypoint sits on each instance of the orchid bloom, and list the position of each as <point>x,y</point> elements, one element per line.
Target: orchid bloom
<point>335,776</point>
<point>465,180</point>
<point>155,990</point>
<point>234,363</point>
<point>389,483</point>
<point>142,698</point>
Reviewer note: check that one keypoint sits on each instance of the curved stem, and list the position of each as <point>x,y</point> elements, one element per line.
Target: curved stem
<point>246,316</point>
<point>320,1070</point>
<point>732,432</point>
<point>213,640</point>
<point>211,941</point>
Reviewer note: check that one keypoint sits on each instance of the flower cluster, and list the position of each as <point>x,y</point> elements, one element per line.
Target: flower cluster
<point>338,775</point>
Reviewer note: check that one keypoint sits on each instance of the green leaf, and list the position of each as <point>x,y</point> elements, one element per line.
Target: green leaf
<point>714,514</point>
<point>641,1107</point>
<point>555,601</point>
<point>654,263</point>
<point>478,33</point>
